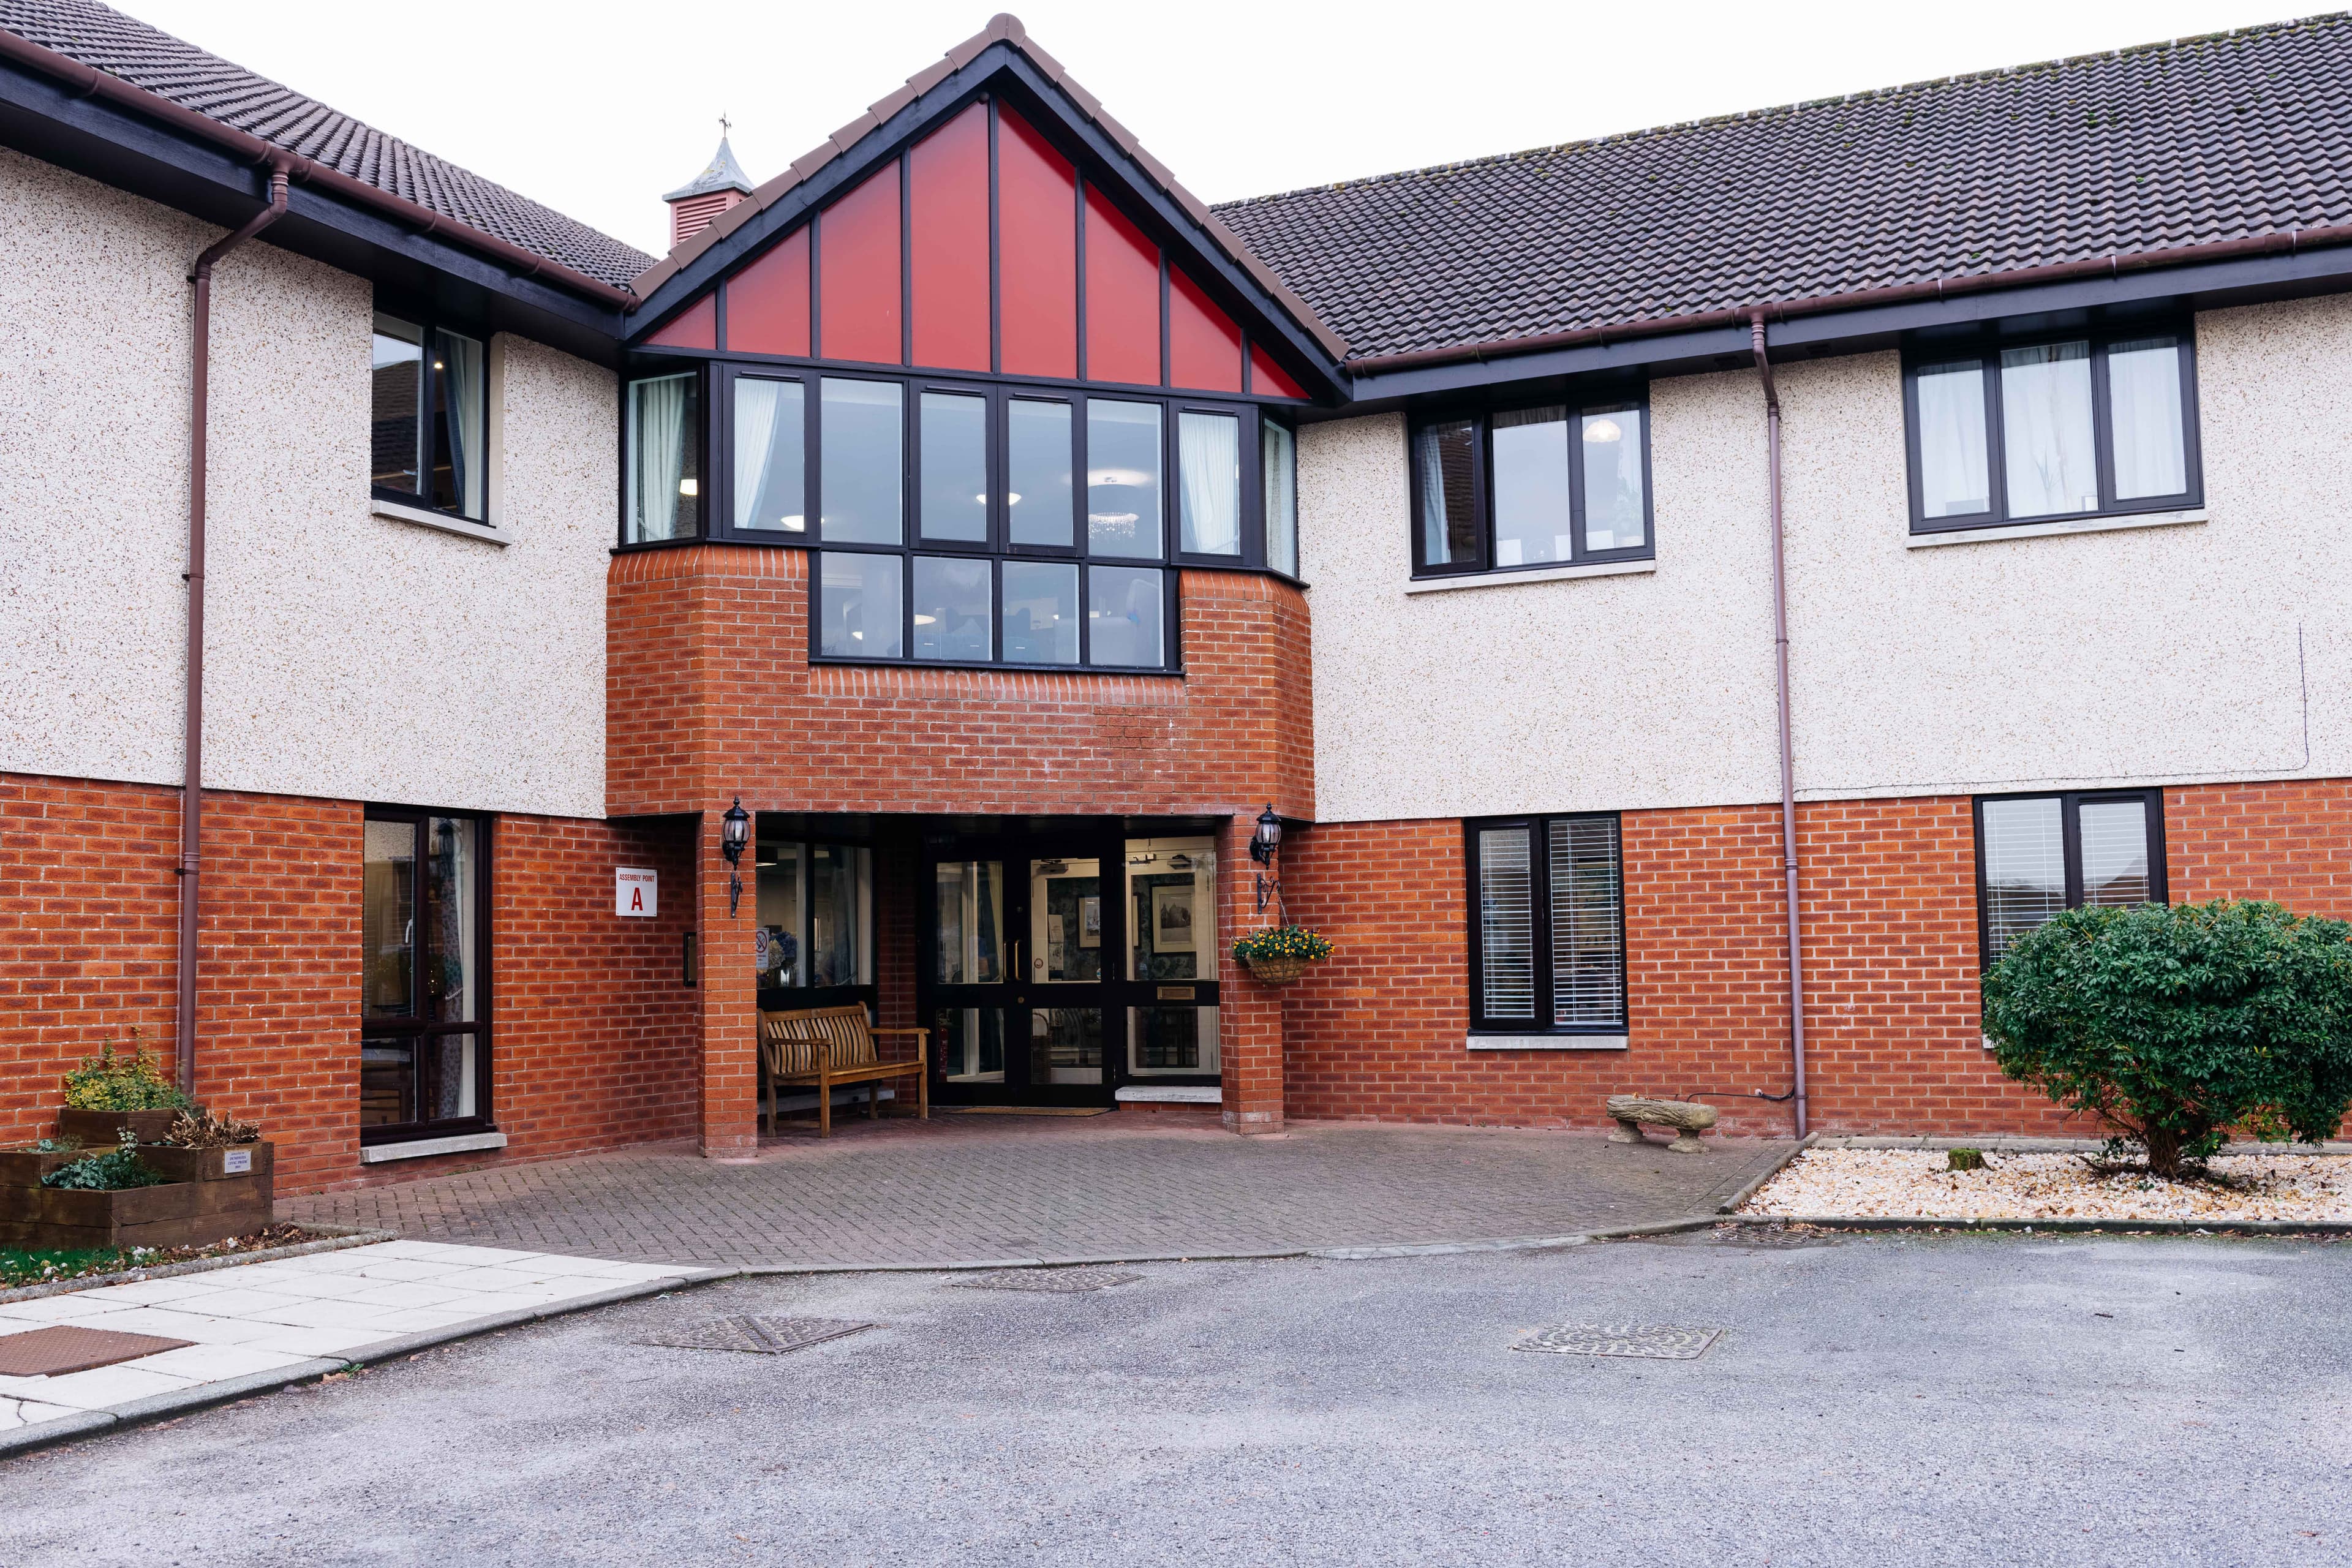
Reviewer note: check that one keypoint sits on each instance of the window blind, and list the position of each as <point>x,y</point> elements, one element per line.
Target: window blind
<point>1588,953</point>
<point>1507,928</point>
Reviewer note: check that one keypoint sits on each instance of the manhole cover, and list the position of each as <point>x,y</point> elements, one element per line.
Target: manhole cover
<point>1771,1236</point>
<point>1053,1281</point>
<point>51,1352</point>
<point>760,1336</point>
<point>1660,1340</point>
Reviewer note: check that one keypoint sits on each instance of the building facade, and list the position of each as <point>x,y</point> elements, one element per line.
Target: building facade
<point>1004,532</point>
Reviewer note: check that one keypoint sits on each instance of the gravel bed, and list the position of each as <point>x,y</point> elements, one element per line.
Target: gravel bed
<point>1908,1184</point>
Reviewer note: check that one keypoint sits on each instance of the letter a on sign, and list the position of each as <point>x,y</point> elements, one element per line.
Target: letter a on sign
<point>635,892</point>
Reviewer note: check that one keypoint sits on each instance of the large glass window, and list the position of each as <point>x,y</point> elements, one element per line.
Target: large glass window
<point>1041,613</point>
<point>953,601</point>
<point>2032,432</point>
<point>1123,615</point>
<point>813,945</point>
<point>771,460</point>
<point>1279,450</point>
<point>1123,516</point>
<point>2038,853</point>
<point>1550,486</point>
<point>428,434</point>
<point>1547,926</point>
<point>424,986</point>
<point>1209,465</point>
<point>860,435</point>
<point>954,438</point>
<point>664,441</point>
<point>1040,498</point>
<point>860,601</point>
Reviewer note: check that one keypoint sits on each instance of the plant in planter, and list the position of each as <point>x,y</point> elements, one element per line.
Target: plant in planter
<point>1281,954</point>
<point>200,1129</point>
<point>2173,1024</point>
<point>113,1090</point>
<point>118,1169</point>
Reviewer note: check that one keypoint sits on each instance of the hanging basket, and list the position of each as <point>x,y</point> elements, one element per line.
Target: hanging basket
<point>1280,970</point>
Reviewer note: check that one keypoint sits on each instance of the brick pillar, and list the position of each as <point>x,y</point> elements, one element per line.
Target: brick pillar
<point>1249,1024</point>
<point>730,1005</point>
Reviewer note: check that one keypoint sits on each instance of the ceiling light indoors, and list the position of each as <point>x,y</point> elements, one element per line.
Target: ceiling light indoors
<point>1603,430</point>
<point>688,487</point>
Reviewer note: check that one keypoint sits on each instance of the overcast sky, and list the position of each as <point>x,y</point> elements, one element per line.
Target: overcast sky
<point>596,109</point>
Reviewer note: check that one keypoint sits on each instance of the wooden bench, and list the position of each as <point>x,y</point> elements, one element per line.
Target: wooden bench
<point>1688,1117</point>
<point>827,1046</point>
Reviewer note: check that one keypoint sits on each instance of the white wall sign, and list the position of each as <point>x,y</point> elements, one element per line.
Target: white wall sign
<point>635,892</point>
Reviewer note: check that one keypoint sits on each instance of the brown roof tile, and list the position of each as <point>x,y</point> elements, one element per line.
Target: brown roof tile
<point>105,39</point>
<point>2198,139</point>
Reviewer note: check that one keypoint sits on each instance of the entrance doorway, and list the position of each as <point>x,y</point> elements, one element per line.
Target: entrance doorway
<point>1057,965</point>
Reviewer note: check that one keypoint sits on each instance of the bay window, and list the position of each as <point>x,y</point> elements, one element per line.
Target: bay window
<point>1550,486</point>
<point>1547,926</point>
<point>428,432</point>
<point>2087,425</point>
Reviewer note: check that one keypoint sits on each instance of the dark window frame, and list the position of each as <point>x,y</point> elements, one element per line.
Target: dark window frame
<point>432,323</point>
<point>419,1031</point>
<point>794,998</point>
<point>1483,485</point>
<point>2070,805</point>
<point>1538,827</point>
<point>1986,354</point>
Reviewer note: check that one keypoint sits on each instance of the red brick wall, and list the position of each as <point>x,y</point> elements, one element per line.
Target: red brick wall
<point>592,1035</point>
<point>1889,907</point>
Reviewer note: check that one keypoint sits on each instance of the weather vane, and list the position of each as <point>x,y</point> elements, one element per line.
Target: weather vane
<point>725,125</point>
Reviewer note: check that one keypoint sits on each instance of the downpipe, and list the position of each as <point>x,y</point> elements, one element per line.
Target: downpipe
<point>192,791</point>
<point>1788,754</point>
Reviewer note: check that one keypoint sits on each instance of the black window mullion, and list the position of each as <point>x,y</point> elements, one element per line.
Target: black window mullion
<point>1575,444</point>
<point>2070,820</point>
<point>1482,489</point>
<point>1539,921</point>
<point>2103,429</point>
<point>1996,456</point>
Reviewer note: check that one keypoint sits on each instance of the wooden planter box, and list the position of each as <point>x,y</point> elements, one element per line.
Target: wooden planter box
<point>24,1168</point>
<point>177,1214</point>
<point>209,1165</point>
<point>100,1129</point>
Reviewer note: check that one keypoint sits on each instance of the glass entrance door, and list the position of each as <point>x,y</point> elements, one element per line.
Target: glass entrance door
<point>1065,955</point>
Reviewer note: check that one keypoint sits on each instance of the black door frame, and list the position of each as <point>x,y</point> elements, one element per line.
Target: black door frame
<point>1104,842</point>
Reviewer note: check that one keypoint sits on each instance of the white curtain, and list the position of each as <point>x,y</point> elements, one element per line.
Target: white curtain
<point>2143,401</point>
<point>657,455</point>
<point>1433,542</point>
<point>755,427</point>
<point>464,385</point>
<point>2045,427</point>
<point>1208,465</point>
<point>1955,479</point>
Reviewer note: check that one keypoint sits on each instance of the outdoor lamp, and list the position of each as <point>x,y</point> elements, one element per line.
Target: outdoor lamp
<point>1268,836</point>
<point>734,833</point>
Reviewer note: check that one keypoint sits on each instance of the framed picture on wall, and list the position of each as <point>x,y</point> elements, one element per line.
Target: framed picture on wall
<point>1172,919</point>
<point>1090,922</point>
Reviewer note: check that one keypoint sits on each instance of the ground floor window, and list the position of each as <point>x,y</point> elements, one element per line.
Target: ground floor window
<point>425,1007</point>
<point>2038,853</point>
<point>1547,925</point>
<point>813,945</point>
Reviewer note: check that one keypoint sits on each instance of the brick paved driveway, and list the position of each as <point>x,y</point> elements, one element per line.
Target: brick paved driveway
<point>977,1189</point>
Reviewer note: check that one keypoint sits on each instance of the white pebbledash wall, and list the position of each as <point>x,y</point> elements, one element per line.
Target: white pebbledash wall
<point>347,656</point>
<point>2175,654</point>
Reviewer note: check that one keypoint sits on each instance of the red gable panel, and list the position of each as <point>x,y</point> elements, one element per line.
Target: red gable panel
<point>1122,297</point>
<point>695,327</point>
<point>1204,347</point>
<point>857,286</point>
<point>768,302</point>
<point>1037,241</point>
<point>1266,378</point>
<point>948,244</point>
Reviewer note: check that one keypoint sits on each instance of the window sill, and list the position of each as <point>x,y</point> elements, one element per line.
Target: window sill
<point>844,661</point>
<point>2045,529</point>
<point>1169,1094</point>
<point>422,1147</point>
<point>428,518</point>
<point>1546,1042</point>
<point>1542,574</point>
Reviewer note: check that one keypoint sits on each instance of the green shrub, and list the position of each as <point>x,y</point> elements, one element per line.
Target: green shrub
<point>2173,1024</point>
<point>111,1082</point>
<point>118,1168</point>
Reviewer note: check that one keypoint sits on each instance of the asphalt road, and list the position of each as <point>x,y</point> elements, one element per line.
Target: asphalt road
<point>1981,1400</point>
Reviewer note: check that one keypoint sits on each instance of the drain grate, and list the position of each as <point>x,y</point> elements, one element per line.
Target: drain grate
<point>1769,1237</point>
<point>54,1352</point>
<point>758,1336</point>
<point>1662,1341</point>
<point>1052,1281</point>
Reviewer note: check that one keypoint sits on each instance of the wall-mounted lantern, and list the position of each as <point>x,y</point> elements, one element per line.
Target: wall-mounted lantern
<point>734,833</point>
<point>1265,843</point>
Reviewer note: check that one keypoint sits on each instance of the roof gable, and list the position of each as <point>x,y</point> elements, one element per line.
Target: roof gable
<point>1000,64</point>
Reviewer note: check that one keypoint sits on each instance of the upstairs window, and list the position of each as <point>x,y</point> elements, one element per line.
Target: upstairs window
<point>2038,853</point>
<point>662,479</point>
<point>2082,426</point>
<point>428,440</point>
<point>1545,487</point>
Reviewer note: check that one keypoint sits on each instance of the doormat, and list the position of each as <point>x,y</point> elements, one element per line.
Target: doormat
<point>1660,1340</point>
<point>1024,1110</point>
<point>52,1352</point>
<point>759,1336</point>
